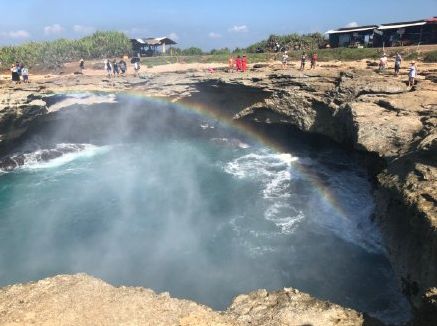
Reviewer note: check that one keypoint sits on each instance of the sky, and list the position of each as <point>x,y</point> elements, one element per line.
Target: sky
<point>205,24</point>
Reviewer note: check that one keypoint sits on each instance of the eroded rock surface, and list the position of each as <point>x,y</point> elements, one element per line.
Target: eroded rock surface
<point>84,300</point>
<point>373,113</point>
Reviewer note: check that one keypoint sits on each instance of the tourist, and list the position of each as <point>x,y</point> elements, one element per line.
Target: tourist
<point>25,74</point>
<point>231,64</point>
<point>123,66</point>
<point>115,68</point>
<point>303,60</point>
<point>81,65</point>
<point>398,60</point>
<point>137,67</point>
<point>412,73</point>
<point>285,60</point>
<point>244,63</point>
<point>15,75</point>
<point>238,63</point>
<point>314,59</point>
<point>18,65</point>
<point>108,67</point>
<point>382,62</point>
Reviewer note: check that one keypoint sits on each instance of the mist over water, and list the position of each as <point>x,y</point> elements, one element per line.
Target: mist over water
<point>171,200</point>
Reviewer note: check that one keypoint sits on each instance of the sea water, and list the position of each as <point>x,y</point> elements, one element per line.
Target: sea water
<point>205,218</point>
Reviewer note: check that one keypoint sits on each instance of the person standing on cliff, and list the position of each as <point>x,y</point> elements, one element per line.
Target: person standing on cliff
<point>314,59</point>
<point>123,66</point>
<point>81,65</point>
<point>285,60</point>
<point>137,68</point>
<point>231,64</point>
<point>398,60</point>
<point>115,68</point>
<point>238,63</point>
<point>412,74</point>
<point>303,60</point>
<point>25,74</point>
<point>382,62</point>
<point>244,63</point>
<point>15,75</point>
<point>108,67</point>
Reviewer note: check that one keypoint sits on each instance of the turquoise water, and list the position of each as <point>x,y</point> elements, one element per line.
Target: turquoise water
<point>202,217</point>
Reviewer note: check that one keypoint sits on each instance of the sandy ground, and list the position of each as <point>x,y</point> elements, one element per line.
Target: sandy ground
<point>210,68</point>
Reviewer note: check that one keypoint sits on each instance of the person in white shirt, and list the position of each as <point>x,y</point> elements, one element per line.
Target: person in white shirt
<point>412,73</point>
<point>382,62</point>
<point>285,60</point>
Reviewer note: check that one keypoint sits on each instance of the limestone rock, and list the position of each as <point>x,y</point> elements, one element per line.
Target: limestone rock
<point>84,300</point>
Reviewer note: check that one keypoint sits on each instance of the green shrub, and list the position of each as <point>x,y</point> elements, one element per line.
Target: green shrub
<point>55,53</point>
<point>430,56</point>
<point>192,51</point>
<point>289,42</point>
<point>220,51</point>
<point>348,54</point>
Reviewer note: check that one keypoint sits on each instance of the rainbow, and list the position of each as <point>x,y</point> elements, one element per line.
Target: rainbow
<point>326,195</point>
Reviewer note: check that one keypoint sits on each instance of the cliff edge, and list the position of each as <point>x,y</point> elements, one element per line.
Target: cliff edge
<point>84,300</point>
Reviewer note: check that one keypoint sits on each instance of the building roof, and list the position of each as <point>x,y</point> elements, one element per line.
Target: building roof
<point>431,20</point>
<point>401,25</point>
<point>352,29</point>
<point>154,41</point>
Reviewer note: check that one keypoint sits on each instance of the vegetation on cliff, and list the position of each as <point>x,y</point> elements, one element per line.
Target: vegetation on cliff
<point>54,53</point>
<point>289,42</point>
<point>430,56</point>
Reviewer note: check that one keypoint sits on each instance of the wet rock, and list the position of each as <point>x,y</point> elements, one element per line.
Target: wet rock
<point>427,314</point>
<point>12,162</point>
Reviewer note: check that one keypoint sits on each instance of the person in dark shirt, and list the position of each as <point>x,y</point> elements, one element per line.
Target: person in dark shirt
<point>115,68</point>
<point>122,65</point>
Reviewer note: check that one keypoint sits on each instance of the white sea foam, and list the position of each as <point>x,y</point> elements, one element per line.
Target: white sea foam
<point>33,161</point>
<point>233,142</point>
<point>348,218</point>
<point>275,172</point>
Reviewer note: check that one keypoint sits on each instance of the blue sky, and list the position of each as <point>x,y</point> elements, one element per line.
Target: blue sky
<point>205,24</point>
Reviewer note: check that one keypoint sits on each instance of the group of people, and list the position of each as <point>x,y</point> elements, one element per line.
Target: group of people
<point>238,64</point>
<point>303,59</point>
<point>412,71</point>
<point>115,68</point>
<point>19,73</point>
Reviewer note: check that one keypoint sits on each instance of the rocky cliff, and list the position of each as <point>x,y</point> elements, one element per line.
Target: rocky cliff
<point>84,300</point>
<point>375,114</point>
<point>379,115</point>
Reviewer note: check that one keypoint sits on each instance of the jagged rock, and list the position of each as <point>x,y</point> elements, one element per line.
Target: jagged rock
<point>292,307</point>
<point>83,300</point>
<point>373,113</point>
<point>428,311</point>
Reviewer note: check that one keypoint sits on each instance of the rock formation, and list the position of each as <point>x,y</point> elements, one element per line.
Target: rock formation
<point>83,300</point>
<point>375,114</point>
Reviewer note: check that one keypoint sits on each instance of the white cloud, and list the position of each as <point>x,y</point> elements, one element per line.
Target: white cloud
<point>352,24</point>
<point>81,29</point>
<point>214,35</point>
<point>238,29</point>
<point>136,31</point>
<point>173,36</point>
<point>15,34</point>
<point>53,29</point>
